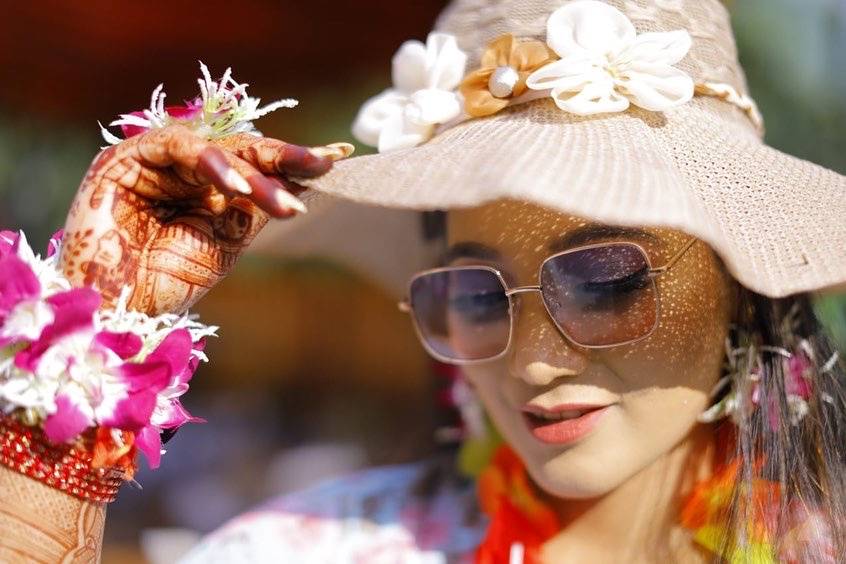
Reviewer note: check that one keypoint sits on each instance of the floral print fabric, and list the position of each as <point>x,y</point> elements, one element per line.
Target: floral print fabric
<point>417,513</point>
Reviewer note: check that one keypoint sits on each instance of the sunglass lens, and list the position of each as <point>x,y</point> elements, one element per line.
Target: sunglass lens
<point>461,313</point>
<point>601,296</point>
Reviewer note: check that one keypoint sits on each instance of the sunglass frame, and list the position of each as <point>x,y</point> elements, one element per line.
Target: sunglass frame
<point>653,272</point>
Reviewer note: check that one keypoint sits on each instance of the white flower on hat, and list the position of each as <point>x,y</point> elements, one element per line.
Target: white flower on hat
<point>425,78</point>
<point>606,65</point>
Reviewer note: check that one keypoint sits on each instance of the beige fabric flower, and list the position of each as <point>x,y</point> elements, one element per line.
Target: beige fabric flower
<point>606,65</point>
<point>505,65</point>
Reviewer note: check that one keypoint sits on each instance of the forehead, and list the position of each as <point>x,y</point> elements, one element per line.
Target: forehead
<point>524,231</point>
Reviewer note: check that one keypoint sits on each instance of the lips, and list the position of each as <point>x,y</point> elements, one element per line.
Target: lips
<point>563,424</point>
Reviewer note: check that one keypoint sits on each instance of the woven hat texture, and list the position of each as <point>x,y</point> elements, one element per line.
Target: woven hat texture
<point>778,222</point>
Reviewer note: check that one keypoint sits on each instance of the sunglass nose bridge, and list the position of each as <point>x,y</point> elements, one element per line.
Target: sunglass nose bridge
<point>522,290</point>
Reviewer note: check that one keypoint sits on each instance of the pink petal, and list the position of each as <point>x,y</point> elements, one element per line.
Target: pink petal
<point>175,351</point>
<point>795,381</point>
<point>55,242</point>
<point>74,312</point>
<point>149,442</point>
<point>7,241</point>
<point>193,362</point>
<point>125,345</point>
<point>186,375</point>
<point>133,130</point>
<point>133,412</point>
<point>17,283</point>
<point>146,376</point>
<point>179,416</point>
<point>67,423</point>
<point>187,112</point>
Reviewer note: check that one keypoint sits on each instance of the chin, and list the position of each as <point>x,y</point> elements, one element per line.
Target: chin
<point>566,476</point>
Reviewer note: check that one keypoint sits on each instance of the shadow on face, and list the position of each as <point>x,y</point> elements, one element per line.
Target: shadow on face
<point>586,419</point>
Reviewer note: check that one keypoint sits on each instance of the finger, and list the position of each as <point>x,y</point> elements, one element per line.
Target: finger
<point>166,184</point>
<point>200,163</point>
<point>268,193</point>
<point>214,203</point>
<point>272,156</point>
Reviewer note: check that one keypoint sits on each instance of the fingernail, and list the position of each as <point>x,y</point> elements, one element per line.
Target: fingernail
<point>237,182</point>
<point>334,151</point>
<point>286,200</point>
<point>212,166</point>
<point>346,149</point>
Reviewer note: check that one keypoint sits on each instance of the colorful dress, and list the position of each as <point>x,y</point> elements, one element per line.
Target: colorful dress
<point>416,513</point>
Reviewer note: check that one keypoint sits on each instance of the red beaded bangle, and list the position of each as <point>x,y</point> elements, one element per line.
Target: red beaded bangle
<point>64,467</point>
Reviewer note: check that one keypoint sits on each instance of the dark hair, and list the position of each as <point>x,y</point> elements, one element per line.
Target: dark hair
<point>802,452</point>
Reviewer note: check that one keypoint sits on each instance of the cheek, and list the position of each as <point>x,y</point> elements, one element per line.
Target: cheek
<point>687,347</point>
<point>645,426</point>
<point>494,387</point>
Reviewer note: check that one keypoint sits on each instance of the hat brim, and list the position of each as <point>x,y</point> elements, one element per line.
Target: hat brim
<point>778,222</point>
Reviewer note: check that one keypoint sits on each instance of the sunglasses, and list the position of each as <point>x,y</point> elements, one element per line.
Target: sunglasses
<point>598,296</point>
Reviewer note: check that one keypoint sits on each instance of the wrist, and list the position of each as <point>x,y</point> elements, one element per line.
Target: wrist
<point>71,468</point>
<point>39,523</point>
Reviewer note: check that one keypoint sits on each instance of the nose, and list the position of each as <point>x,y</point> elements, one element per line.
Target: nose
<point>539,352</point>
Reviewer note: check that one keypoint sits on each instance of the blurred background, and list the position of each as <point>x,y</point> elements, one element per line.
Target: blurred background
<point>316,373</point>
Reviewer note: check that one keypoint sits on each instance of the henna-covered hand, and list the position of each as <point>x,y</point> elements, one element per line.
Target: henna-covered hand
<point>166,214</point>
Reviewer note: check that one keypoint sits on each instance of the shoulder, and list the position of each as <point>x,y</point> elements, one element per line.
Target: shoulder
<point>420,512</point>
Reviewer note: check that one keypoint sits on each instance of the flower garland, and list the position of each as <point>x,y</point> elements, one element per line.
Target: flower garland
<point>520,521</point>
<point>593,62</point>
<point>106,381</point>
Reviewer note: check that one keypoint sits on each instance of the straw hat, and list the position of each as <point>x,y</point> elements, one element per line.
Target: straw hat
<point>670,139</point>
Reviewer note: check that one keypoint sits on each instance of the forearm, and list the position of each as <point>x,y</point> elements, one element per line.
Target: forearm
<point>42,524</point>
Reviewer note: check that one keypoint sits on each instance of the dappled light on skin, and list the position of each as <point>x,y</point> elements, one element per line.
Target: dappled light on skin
<point>652,390</point>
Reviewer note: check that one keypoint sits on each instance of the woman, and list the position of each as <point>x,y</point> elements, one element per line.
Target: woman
<point>627,264</point>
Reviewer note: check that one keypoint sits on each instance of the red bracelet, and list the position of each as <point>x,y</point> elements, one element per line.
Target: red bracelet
<point>65,467</point>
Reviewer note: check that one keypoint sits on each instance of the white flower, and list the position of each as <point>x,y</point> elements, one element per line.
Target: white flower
<point>425,78</point>
<point>152,330</point>
<point>28,319</point>
<point>46,269</point>
<point>19,389</point>
<point>223,108</point>
<point>605,65</point>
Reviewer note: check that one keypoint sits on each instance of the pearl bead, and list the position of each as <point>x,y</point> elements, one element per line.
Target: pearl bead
<point>502,82</point>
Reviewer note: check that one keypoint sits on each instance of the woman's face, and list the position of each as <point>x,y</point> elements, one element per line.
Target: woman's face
<point>653,388</point>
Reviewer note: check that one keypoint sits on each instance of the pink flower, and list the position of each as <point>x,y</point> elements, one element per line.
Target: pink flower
<point>73,311</point>
<point>55,242</point>
<point>67,422</point>
<point>125,345</point>
<point>22,315</point>
<point>17,284</point>
<point>796,382</point>
<point>797,388</point>
<point>154,387</point>
<point>188,112</point>
<point>8,241</point>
